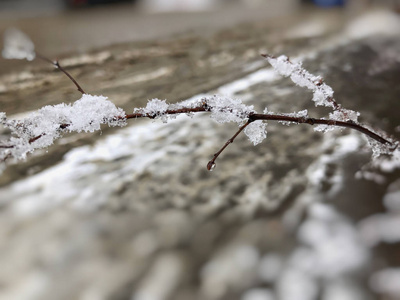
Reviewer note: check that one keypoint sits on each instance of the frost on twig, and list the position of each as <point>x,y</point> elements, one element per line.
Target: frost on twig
<point>322,93</point>
<point>17,45</point>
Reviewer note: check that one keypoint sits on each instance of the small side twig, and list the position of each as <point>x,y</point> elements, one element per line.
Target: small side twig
<point>211,164</point>
<point>58,66</point>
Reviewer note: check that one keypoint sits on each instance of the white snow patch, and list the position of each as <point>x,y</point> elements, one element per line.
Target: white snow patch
<point>17,45</point>
<point>378,22</point>
<point>256,132</point>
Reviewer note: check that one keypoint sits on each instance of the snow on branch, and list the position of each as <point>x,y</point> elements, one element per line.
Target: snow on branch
<point>41,128</point>
<point>322,93</point>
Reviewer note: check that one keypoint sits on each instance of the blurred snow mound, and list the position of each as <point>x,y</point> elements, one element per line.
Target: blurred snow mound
<point>373,23</point>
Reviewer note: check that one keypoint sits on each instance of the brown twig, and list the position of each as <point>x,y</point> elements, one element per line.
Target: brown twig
<point>211,164</point>
<point>312,121</point>
<point>58,66</point>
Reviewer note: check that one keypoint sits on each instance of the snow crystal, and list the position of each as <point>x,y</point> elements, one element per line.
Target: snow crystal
<point>282,65</point>
<point>256,131</point>
<point>344,115</point>
<point>225,109</point>
<point>379,148</point>
<point>300,114</point>
<point>323,128</point>
<point>17,45</point>
<point>155,108</point>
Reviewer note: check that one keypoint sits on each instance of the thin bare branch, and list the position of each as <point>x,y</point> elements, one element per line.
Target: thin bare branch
<point>58,66</point>
<point>211,164</point>
<point>312,121</point>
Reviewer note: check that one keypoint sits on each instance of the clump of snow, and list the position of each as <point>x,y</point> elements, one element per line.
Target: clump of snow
<point>301,114</point>
<point>323,93</point>
<point>17,45</point>
<point>155,108</point>
<point>42,127</point>
<point>256,132</point>
<point>225,109</point>
<point>89,112</point>
<point>379,149</point>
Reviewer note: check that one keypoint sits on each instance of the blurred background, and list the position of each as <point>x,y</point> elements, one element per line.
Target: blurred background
<point>133,213</point>
<point>79,25</point>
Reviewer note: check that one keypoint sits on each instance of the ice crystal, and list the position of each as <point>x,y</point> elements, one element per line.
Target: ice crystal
<point>344,115</point>
<point>378,148</point>
<point>17,45</point>
<point>225,109</point>
<point>300,114</point>
<point>156,108</point>
<point>256,132</point>
<point>323,128</point>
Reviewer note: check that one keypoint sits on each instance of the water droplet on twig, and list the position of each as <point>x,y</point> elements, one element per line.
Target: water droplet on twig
<point>211,166</point>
